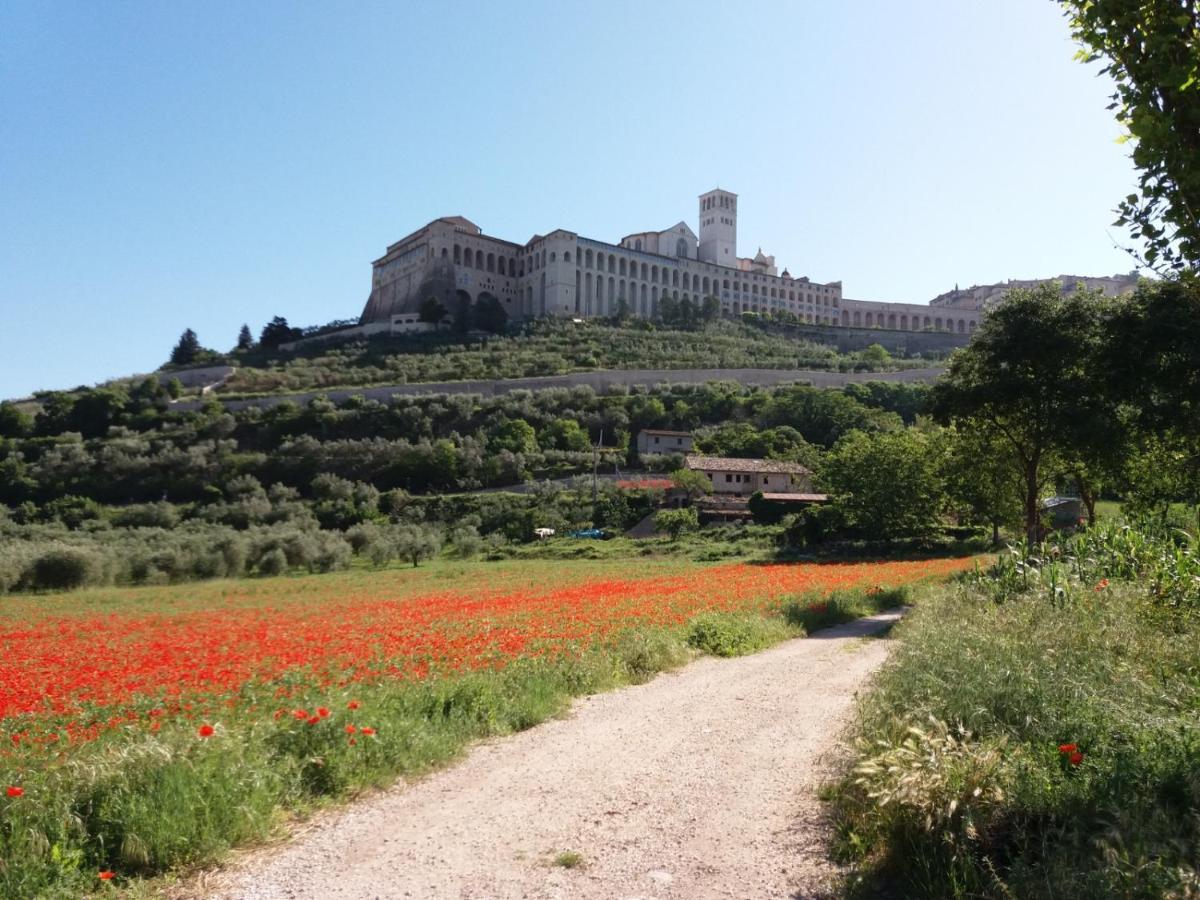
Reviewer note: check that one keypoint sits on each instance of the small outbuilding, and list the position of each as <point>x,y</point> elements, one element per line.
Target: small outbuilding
<point>657,440</point>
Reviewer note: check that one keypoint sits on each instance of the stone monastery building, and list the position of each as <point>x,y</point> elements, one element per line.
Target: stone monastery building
<point>565,274</point>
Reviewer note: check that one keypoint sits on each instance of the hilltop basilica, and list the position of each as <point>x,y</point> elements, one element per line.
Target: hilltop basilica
<point>569,275</point>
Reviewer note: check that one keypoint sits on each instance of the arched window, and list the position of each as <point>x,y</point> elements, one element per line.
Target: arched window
<point>637,244</point>
<point>681,248</point>
<point>457,254</point>
<point>587,260</point>
<point>491,262</point>
<point>566,256</point>
<point>552,256</point>
<point>445,253</point>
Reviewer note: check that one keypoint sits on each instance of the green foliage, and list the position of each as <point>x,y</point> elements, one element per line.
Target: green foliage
<point>245,339</point>
<point>14,421</point>
<point>62,569</point>
<point>735,634</point>
<point>692,483</point>
<point>546,347</point>
<point>277,332</point>
<point>415,543</point>
<point>433,311</point>
<point>488,314</point>
<point>886,485</point>
<point>565,434</point>
<point>186,350</point>
<point>1151,50</point>
<point>961,789</point>
<point>742,439</point>
<point>676,522</point>
<point>1029,377</point>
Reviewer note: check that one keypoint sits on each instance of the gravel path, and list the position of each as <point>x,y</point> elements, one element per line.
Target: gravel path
<point>698,784</point>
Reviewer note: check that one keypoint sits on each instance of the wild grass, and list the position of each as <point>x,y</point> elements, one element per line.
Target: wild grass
<point>960,787</point>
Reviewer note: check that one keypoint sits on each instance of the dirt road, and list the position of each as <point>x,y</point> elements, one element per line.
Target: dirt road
<point>698,784</point>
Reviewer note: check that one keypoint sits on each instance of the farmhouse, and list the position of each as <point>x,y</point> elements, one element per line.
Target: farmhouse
<point>732,475</point>
<point>656,440</point>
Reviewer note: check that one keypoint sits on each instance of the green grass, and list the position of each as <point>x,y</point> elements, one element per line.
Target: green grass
<point>960,790</point>
<point>569,859</point>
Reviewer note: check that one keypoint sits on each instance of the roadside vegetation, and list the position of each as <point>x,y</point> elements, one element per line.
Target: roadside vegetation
<point>1036,732</point>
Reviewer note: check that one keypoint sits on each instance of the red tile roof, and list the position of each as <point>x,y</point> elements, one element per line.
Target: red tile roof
<point>734,464</point>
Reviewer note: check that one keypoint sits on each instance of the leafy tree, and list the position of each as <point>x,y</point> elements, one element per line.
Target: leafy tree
<point>565,434</point>
<point>1029,376</point>
<point>694,484</point>
<point>186,350</point>
<point>432,311</point>
<point>823,416</point>
<point>886,485</point>
<point>1151,50</point>
<point>515,436</point>
<point>94,411</point>
<point>489,314</point>
<point>245,339</point>
<point>677,521</point>
<point>710,309</point>
<point>277,332</point>
<point>980,477</point>
<point>1151,354</point>
<point>174,388</point>
<point>14,421</point>
<point>417,542</point>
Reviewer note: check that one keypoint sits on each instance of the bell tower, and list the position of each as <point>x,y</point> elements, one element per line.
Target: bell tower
<point>718,227</point>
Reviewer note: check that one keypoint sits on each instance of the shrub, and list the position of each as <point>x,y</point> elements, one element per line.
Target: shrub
<point>63,568</point>
<point>735,634</point>
<point>147,515</point>
<point>677,521</point>
<point>273,561</point>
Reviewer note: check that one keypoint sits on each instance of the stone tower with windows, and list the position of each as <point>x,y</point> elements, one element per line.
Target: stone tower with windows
<point>718,227</point>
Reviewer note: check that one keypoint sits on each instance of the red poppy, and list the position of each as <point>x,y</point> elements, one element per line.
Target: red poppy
<point>1067,748</point>
<point>106,875</point>
<point>350,729</point>
<point>353,704</point>
<point>1101,584</point>
<point>367,731</point>
<point>300,714</point>
<point>1075,758</point>
<point>14,791</point>
<point>322,712</point>
<point>314,720</point>
<point>353,741</point>
<point>206,731</point>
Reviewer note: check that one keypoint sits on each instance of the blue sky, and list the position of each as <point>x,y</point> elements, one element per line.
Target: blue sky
<point>165,166</point>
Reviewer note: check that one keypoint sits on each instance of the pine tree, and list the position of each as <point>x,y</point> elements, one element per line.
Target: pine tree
<point>245,338</point>
<point>186,350</point>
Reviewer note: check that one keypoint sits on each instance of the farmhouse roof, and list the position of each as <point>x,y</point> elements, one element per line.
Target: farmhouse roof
<point>735,464</point>
<point>666,432</point>
<point>796,498</point>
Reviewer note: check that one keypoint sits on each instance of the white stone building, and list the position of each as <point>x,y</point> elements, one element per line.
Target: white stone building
<point>568,275</point>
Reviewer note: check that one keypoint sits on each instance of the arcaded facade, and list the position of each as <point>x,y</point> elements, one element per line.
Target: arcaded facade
<point>565,274</point>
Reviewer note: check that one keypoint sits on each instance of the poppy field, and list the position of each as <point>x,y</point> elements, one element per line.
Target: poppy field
<point>129,718</point>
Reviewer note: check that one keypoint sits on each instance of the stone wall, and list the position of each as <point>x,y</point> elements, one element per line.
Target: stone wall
<point>848,338</point>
